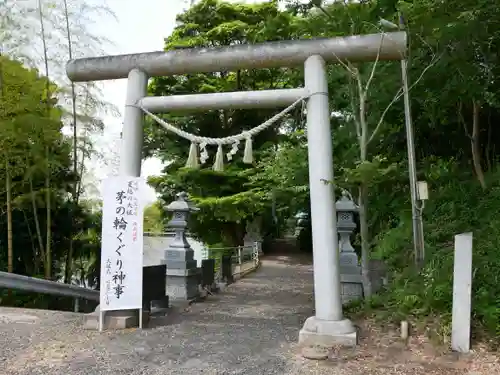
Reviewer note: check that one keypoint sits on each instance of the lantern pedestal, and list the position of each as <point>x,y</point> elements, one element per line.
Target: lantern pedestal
<point>182,285</point>
<point>351,281</point>
<point>351,286</point>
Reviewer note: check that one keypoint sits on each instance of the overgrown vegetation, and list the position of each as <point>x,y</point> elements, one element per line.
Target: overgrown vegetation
<point>47,227</point>
<point>458,205</point>
<point>453,69</point>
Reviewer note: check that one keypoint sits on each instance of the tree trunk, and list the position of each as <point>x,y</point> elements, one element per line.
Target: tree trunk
<point>37,222</point>
<point>476,145</point>
<point>48,248</point>
<point>83,274</point>
<point>365,243</point>
<point>363,195</point>
<point>8,188</point>
<point>488,145</point>
<point>36,259</point>
<point>69,257</point>
<point>10,255</point>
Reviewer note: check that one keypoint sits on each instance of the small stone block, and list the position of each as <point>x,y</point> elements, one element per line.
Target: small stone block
<point>91,321</point>
<point>315,352</point>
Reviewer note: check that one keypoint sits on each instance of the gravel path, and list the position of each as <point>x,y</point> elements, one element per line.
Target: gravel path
<point>249,329</point>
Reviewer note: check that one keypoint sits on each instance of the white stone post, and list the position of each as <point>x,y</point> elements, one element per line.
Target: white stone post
<point>256,251</point>
<point>327,327</point>
<point>462,293</point>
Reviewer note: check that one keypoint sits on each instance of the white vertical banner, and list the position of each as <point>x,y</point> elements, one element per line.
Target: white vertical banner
<point>122,243</point>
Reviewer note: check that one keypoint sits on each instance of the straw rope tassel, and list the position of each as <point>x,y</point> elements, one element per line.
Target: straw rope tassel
<point>219,160</point>
<point>202,142</point>
<point>192,161</point>
<point>248,153</point>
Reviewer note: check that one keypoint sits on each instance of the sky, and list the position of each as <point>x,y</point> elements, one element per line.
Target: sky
<point>140,26</point>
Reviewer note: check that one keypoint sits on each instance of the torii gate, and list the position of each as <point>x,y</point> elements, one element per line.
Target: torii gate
<point>328,326</point>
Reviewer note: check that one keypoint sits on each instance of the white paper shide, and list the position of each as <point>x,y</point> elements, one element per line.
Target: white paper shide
<point>122,243</point>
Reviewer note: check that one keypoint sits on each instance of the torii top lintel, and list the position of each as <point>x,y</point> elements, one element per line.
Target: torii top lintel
<point>389,46</point>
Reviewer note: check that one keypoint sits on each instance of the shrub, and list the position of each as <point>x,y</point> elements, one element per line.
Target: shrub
<point>455,206</point>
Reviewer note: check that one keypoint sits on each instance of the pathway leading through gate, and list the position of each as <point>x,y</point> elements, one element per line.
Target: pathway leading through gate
<point>250,328</point>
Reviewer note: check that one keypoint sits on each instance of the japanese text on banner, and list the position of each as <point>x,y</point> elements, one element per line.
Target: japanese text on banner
<point>122,252</point>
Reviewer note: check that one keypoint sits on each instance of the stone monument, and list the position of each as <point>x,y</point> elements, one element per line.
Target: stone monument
<point>182,270</point>
<point>253,236</point>
<point>351,282</point>
<point>302,220</point>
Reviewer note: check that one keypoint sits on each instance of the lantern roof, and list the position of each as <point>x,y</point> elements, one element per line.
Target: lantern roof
<point>182,203</point>
<point>345,203</point>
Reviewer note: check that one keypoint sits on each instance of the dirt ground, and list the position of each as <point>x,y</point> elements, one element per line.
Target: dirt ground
<point>381,351</point>
<point>251,328</point>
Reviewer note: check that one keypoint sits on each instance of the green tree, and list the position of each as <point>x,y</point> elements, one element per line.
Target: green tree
<point>226,199</point>
<point>27,130</point>
<point>64,31</point>
<point>464,89</point>
<point>153,218</point>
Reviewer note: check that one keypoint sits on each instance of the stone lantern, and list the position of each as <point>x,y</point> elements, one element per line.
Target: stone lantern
<point>350,270</point>
<point>301,223</point>
<point>181,210</point>
<point>346,209</point>
<point>301,218</point>
<point>253,237</point>
<point>182,270</point>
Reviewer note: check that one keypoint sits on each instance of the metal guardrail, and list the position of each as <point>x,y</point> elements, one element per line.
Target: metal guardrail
<point>32,284</point>
<point>239,255</point>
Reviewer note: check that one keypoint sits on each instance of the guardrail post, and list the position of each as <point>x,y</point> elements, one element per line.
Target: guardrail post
<point>77,305</point>
<point>227,272</point>
<point>239,255</point>
<point>256,252</point>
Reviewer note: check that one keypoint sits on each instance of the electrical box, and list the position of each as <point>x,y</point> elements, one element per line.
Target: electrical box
<point>422,190</point>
